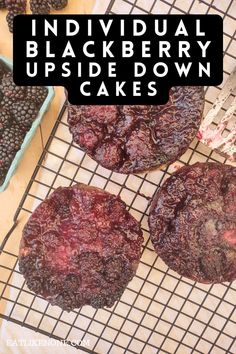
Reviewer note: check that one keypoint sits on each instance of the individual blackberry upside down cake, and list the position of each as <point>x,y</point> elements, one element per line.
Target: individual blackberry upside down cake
<point>193,222</point>
<point>80,247</point>
<point>19,107</point>
<point>130,139</point>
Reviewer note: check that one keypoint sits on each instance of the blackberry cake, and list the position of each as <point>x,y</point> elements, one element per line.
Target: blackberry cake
<point>129,139</point>
<point>19,107</point>
<point>80,247</point>
<point>193,222</point>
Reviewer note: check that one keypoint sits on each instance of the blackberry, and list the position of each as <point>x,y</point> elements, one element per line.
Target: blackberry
<point>5,119</point>
<point>114,268</point>
<point>98,301</point>
<point>67,300</point>
<point>1,97</point>
<point>2,72</point>
<point>58,4</point>
<point>54,286</point>
<point>12,138</point>
<point>10,89</point>
<point>27,264</point>
<point>6,158</point>
<point>10,17</point>
<point>24,113</point>
<point>2,4</point>
<point>72,281</point>
<point>3,69</point>
<point>39,7</point>
<point>36,94</point>
<point>7,103</point>
<point>35,284</point>
<point>3,174</point>
<point>90,260</point>
<point>16,6</point>
<point>117,268</point>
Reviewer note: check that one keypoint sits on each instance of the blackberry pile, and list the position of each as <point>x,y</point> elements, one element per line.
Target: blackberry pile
<point>37,94</point>
<point>10,90</point>
<point>24,113</point>
<point>19,107</point>
<point>37,7</point>
<point>12,138</point>
<point>6,102</point>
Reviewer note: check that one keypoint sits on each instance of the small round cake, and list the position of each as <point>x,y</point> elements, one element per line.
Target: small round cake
<point>193,222</point>
<point>128,139</point>
<point>80,247</point>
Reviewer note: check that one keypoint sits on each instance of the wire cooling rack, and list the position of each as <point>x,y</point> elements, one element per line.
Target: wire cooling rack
<point>160,312</point>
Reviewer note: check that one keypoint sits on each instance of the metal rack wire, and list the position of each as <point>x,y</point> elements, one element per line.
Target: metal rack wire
<point>159,311</point>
